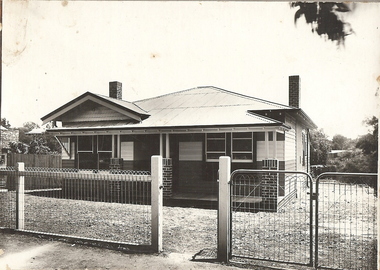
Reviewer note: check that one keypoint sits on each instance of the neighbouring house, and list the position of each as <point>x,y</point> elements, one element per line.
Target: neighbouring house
<point>336,153</point>
<point>191,129</point>
<point>7,136</point>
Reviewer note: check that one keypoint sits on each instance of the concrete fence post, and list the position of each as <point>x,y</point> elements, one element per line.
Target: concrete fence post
<point>157,198</point>
<point>224,231</point>
<point>20,197</point>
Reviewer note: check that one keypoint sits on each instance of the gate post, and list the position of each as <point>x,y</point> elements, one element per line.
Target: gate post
<point>20,197</point>
<point>156,204</point>
<point>224,211</point>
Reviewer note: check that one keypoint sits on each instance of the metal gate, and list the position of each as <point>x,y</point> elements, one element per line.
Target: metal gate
<point>285,217</point>
<point>346,229</point>
<point>271,216</point>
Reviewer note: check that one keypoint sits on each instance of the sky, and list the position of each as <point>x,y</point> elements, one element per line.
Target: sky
<point>54,51</point>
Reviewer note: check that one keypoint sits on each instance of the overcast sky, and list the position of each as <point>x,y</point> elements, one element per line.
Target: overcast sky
<point>54,51</point>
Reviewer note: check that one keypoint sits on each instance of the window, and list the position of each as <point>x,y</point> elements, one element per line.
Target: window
<point>304,149</point>
<point>105,143</point>
<point>127,152</point>
<point>216,146</point>
<point>65,143</point>
<point>242,147</point>
<point>85,144</point>
<point>190,151</point>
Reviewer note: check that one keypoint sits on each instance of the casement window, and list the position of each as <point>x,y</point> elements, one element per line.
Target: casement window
<point>241,147</point>
<point>190,151</point>
<point>85,144</point>
<point>215,146</point>
<point>105,143</point>
<point>67,150</point>
<point>304,149</point>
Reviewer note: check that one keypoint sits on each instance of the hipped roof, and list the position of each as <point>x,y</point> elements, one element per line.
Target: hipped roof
<point>201,106</point>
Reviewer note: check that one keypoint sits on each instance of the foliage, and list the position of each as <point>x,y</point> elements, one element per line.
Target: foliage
<point>18,147</point>
<point>340,142</point>
<point>352,160</point>
<point>5,123</point>
<point>27,127</point>
<point>369,143</point>
<point>320,147</point>
<point>39,144</point>
<point>325,19</point>
<point>359,157</point>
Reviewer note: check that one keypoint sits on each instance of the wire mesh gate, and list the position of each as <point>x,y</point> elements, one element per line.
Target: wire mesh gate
<point>346,228</point>
<point>272,218</point>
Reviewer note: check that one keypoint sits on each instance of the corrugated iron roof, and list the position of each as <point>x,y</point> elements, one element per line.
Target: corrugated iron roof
<point>126,104</point>
<point>207,96</point>
<point>201,106</point>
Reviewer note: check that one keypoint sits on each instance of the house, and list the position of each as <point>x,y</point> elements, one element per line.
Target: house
<point>191,128</point>
<point>336,153</point>
<point>7,136</point>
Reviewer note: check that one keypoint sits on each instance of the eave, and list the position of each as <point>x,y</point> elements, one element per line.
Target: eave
<point>167,130</point>
<point>299,113</point>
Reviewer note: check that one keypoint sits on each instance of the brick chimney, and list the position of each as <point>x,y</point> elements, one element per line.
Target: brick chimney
<point>115,90</point>
<point>294,91</point>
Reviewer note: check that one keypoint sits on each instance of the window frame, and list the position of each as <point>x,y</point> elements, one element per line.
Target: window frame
<point>98,144</point>
<point>207,152</point>
<point>236,139</point>
<point>85,151</point>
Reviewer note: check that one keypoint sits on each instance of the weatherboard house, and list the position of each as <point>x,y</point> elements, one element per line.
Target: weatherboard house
<point>190,129</point>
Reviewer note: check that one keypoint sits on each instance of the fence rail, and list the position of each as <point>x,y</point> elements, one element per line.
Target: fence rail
<point>112,206</point>
<point>31,160</point>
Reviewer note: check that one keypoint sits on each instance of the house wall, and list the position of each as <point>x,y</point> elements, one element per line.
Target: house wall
<point>195,156</point>
<point>291,145</point>
<point>144,146</point>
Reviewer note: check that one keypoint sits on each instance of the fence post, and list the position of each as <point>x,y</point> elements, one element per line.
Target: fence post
<point>20,198</point>
<point>157,198</point>
<point>224,205</point>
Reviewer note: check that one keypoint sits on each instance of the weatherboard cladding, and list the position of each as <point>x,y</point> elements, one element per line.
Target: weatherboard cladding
<point>92,111</point>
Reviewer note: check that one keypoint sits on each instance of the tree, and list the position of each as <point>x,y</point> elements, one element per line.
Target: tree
<point>18,147</point>
<point>38,144</point>
<point>320,147</point>
<point>340,142</point>
<point>353,161</point>
<point>27,127</point>
<point>5,123</point>
<point>325,19</point>
<point>369,143</point>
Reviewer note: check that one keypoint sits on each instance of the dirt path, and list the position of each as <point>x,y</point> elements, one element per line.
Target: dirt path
<point>29,252</point>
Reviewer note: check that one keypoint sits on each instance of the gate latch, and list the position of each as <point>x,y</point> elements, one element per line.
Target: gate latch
<point>313,196</point>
